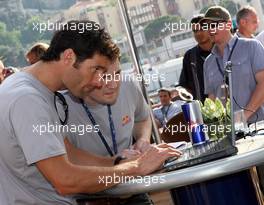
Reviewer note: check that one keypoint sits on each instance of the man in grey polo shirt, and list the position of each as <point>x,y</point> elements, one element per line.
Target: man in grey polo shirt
<point>117,113</point>
<point>37,167</point>
<point>247,60</point>
<point>129,113</point>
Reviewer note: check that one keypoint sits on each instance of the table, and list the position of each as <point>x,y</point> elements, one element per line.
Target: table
<point>250,154</point>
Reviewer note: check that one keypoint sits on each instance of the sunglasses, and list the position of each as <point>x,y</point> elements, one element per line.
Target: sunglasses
<point>59,100</point>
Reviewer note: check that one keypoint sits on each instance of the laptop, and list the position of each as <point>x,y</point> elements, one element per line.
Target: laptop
<point>197,154</point>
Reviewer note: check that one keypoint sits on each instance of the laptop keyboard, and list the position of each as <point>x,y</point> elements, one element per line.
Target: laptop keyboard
<point>201,153</point>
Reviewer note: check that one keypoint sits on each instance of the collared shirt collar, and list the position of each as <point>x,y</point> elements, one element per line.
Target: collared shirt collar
<point>229,45</point>
<point>215,51</point>
<point>231,42</point>
<point>240,35</point>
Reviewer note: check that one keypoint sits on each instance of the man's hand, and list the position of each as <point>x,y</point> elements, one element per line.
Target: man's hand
<point>141,145</point>
<point>130,153</point>
<point>154,157</point>
<point>257,97</point>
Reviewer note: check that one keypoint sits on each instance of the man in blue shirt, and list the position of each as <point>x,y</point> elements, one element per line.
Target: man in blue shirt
<point>168,109</point>
<point>246,56</point>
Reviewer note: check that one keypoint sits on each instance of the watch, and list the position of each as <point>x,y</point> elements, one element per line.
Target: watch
<point>118,159</point>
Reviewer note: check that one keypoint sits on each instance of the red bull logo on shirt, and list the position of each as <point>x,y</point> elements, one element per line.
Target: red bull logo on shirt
<point>125,120</point>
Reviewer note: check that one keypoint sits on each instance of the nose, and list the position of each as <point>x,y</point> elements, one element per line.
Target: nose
<point>97,81</point>
<point>112,84</point>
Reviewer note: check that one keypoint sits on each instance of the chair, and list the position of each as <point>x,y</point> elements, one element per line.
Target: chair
<point>175,123</point>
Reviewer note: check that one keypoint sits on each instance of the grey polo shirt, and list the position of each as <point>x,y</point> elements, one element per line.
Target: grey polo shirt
<point>247,60</point>
<point>25,105</point>
<point>129,108</point>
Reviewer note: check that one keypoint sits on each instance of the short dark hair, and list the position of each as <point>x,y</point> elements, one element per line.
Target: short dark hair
<point>85,38</point>
<point>244,12</point>
<point>197,18</point>
<point>164,90</point>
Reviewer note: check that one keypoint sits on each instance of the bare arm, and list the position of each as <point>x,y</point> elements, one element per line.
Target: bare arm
<point>257,98</point>
<point>81,157</point>
<point>159,125</point>
<point>142,133</point>
<point>68,178</point>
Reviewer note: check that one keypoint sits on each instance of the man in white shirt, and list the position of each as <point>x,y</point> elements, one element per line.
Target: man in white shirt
<point>247,22</point>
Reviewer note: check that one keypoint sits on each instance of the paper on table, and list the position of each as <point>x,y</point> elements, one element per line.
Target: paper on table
<point>178,145</point>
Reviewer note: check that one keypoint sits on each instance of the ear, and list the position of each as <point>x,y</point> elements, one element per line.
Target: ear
<point>229,25</point>
<point>243,22</point>
<point>68,57</point>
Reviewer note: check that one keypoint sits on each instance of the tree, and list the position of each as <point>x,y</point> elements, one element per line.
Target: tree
<point>204,9</point>
<point>29,32</point>
<point>2,27</point>
<point>9,38</point>
<point>228,4</point>
<point>124,58</point>
<point>160,27</point>
<point>112,3</point>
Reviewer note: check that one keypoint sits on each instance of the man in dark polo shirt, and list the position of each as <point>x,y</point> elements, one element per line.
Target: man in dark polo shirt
<point>192,72</point>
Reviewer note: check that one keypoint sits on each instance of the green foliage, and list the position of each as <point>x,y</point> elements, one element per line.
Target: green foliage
<point>12,56</point>
<point>124,58</point>
<point>156,29</point>
<point>10,45</point>
<point>36,4</point>
<point>13,43</point>
<point>204,9</point>
<point>2,27</point>
<point>216,117</point>
<point>29,34</point>
<point>212,110</point>
<point>44,4</point>
<point>11,38</point>
<point>112,3</point>
<point>230,6</point>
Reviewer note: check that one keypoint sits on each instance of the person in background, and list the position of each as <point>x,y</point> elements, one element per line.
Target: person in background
<point>246,56</point>
<point>247,22</point>
<point>191,76</point>
<point>1,71</point>
<point>36,52</point>
<point>175,94</point>
<point>6,71</point>
<point>168,109</point>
